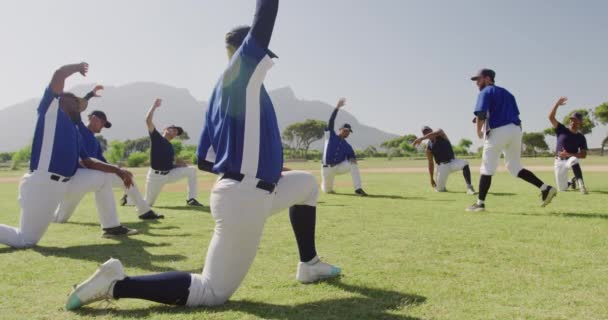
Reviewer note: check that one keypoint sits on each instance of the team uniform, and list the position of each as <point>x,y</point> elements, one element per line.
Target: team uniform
<point>443,154</point>
<point>241,143</point>
<point>56,150</point>
<point>87,180</point>
<point>572,143</point>
<point>338,158</point>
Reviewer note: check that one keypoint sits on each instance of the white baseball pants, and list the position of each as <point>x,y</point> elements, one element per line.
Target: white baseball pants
<point>240,211</point>
<point>329,173</point>
<point>504,140</point>
<point>38,199</point>
<point>444,170</point>
<point>155,182</point>
<point>561,172</point>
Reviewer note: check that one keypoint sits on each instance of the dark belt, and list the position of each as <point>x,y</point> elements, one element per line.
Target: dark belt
<point>57,178</point>
<point>329,165</point>
<point>162,173</point>
<point>564,159</point>
<point>267,186</point>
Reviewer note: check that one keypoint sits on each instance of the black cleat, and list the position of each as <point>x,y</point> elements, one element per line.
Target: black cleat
<point>193,203</point>
<point>572,183</point>
<point>476,208</point>
<point>151,215</point>
<point>123,200</point>
<point>119,231</point>
<point>548,196</point>
<point>361,192</point>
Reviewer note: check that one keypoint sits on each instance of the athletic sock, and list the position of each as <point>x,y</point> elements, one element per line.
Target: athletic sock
<point>480,202</point>
<point>169,288</point>
<point>466,172</point>
<point>578,172</point>
<point>530,178</point>
<point>303,221</point>
<point>484,186</point>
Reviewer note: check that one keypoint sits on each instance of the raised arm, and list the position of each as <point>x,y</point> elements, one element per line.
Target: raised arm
<point>431,135</point>
<point>94,93</point>
<point>332,120</point>
<point>263,21</point>
<point>150,115</point>
<point>560,102</point>
<point>58,81</point>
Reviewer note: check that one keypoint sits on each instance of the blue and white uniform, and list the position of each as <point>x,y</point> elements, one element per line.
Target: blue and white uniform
<point>338,158</point>
<point>101,183</point>
<point>503,129</point>
<point>56,150</point>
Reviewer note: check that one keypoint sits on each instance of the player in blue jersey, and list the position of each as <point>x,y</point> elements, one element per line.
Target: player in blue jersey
<point>338,155</point>
<point>498,124</point>
<point>90,181</point>
<point>241,142</point>
<point>57,152</point>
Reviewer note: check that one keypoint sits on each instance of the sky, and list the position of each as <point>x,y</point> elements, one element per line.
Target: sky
<point>401,63</point>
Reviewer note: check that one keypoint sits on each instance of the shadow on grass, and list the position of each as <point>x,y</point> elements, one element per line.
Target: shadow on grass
<point>371,304</point>
<point>502,194</point>
<point>566,215</point>
<point>599,192</point>
<point>379,196</point>
<point>185,208</point>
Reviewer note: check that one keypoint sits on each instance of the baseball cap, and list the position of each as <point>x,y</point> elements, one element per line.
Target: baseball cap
<point>484,73</point>
<point>577,115</point>
<point>347,126</point>
<point>426,128</point>
<point>101,115</point>
<point>237,35</point>
<point>179,129</point>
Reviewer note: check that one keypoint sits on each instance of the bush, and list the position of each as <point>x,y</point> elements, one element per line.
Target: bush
<point>115,152</point>
<point>21,156</point>
<point>6,156</point>
<point>137,159</point>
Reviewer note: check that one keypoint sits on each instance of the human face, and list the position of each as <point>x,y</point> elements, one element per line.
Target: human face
<point>96,124</point>
<point>71,106</point>
<point>575,124</point>
<point>344,133</point>
<point>484,81</point>
<point>170,133</point>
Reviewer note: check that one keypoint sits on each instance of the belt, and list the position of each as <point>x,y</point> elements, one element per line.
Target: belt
<point>162,173</point>
<point>329,165</point>
<point>57,178</point>
<point>267,186</point>
<point>445,162</point>
<point>563,159</point>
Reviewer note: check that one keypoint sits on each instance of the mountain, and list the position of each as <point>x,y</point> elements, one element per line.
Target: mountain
<point>126,107</point>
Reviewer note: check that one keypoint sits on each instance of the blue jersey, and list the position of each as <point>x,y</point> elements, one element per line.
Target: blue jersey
<point>336,149</point>
<point>498,105</point>
<point>241,132</point>
<point>90,143</point>
<point>56,147</point>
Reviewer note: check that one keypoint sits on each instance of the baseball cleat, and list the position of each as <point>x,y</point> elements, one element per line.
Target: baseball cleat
<point>123,200</point>
<point>361,192</point>
<point>98,287</point>
<point>193,203</point>
<point>572,183</point>
<point>151,215</point>
<point>119,231</point>
<point>548,195</point>
<point>471,191</point>
<point>476,208</point>
<point>319,270</point>
<point>441,190</point>
<point>584,190</point>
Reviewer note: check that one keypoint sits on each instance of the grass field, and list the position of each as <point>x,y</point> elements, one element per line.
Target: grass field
<point>406,253</point>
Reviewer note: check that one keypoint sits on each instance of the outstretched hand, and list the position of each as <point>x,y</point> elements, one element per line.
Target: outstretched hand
<point>96,89</point>
<point>341,103</point>
<point>126,177</point>
<point>83,68</point>
<point>562,101</point>
<point>417,142</point>
<point>157,103</point>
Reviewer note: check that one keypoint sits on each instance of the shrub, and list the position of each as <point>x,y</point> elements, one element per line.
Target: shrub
<point>137,159</point>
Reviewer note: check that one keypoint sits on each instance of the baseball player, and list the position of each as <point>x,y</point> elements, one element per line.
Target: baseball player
<point>338,155</point>
<point>241,142</point>
<point>440,149</point>
<point>498,123</point>
<point>570,148</point>
<point>56,151</point>
<point>164,168</point>
<point>97,121</point>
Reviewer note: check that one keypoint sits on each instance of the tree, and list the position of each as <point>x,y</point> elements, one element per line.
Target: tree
<point>601,114</point>
<point>301,135</point>
<point>102,142</point>
<point>370,152</point>
<point>6,156</point>
<point>137,159</point>
<point>534,142</point>
<point>116,152</point>
<point>23,155</point>
<point>397,146</point>
<point>184,136</point>
<point>586,128</point>
<point>465,144</point>
<point>138,145</point>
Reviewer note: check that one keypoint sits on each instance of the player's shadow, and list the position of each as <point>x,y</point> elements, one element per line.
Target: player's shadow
<point>380,196</point>
<point>568,215</point>
<point>600,192</point>
<point>370,303</point>
<point>502,194</point>
<point>184,208</point>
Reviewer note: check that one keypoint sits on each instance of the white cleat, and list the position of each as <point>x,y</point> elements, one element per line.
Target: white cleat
<point>98,286</point>
<point>309,273</point>
<point>584,190</point>
<point>471,191</point>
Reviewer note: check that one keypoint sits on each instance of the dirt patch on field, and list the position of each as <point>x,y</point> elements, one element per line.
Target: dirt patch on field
<point>10,179</point>
<point>595,168</point>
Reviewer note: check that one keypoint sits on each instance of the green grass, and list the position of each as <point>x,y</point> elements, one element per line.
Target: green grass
<point>406,252</point>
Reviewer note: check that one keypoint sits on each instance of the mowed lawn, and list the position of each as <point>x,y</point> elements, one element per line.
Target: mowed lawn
<point>406,253</point>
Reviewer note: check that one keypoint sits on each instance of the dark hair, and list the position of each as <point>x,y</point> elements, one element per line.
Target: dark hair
<point>236,36</point>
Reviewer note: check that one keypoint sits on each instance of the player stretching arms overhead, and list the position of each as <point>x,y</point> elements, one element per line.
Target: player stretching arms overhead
<point>241,142</point>
<point>497,119</point>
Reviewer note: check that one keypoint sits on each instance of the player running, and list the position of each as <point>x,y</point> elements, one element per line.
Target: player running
<point>498,123</point>
<point>97,121</point>
<point>570,148</point>
<point>440,149</point>
<point>338,155</point>
<point>241,142</point>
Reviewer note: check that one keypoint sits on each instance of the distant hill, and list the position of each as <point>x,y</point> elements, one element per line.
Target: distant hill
<point>127,105</point>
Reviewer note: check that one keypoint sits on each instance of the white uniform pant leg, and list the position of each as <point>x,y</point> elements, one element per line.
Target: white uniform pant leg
<point>512,149</point>
<point>443,171</point>
<point>154,184</point>
<point>133,195</point>
<point>327,179</point>
<point>240,211</point>
<point>561,174</point>
<point>68,205</point>
<point>39,196</point>
<point>348,167</point>
<point>185,172</point>
<point>507,140</point>
<point>295,188</point>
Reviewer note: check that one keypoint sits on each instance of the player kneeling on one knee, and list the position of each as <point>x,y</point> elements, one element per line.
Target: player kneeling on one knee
<point>241,142</point>
<point>498,124</point>
<point>440,150</point>
<point>338,155</point>
<point>570,147</point>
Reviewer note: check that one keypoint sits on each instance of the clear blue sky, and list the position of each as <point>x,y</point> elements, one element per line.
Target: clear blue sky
<point>401,63</point>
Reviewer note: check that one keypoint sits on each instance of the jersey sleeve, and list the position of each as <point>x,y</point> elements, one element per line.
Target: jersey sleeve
<point>332,120</point>
<point>483,104</point>
<point>204,152</point>
<point>264,20</point>
<point>584,143</point>
<point>560,129</point>
<point>47,99</point>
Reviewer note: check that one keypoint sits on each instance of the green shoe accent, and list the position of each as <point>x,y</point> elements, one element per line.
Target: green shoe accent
<point>335,271</point>
<point>73,302</point>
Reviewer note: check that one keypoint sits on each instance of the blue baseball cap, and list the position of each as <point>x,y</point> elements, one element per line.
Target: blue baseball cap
<point>347,126</point>
<point>236,36</point>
